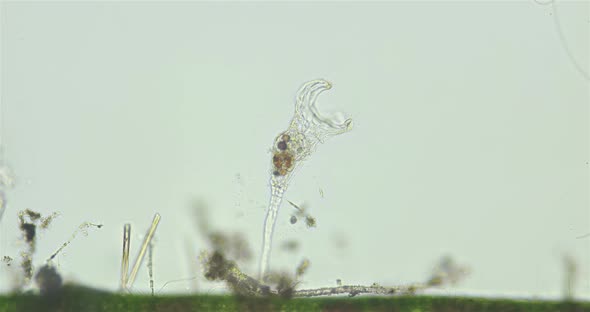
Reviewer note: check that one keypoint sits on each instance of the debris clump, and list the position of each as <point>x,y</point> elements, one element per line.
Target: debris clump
<point>7,260</point>
<point>27,221</point>
<point>301,212</point>
<point>447,271</point>
<point>48,280</point>
<point>218,268</point>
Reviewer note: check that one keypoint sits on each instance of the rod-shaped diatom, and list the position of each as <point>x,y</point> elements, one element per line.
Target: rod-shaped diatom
<point>125,257</point>
<point>144,246</point>
<point>307,129</point>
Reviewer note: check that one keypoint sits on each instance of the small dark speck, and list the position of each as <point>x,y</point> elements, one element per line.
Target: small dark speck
<point>293,219</point>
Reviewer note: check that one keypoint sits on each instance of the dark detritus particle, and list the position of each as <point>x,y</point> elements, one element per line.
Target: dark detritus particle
<point>33,215</point>
<point>217,267</point>
<point>7,260</point>
<point>293,219</point>
<point>29,230</point>
<point>310,221</point>
<point>48,280</point>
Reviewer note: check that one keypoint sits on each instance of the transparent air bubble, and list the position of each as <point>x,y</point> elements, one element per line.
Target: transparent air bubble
<point>307,129</point>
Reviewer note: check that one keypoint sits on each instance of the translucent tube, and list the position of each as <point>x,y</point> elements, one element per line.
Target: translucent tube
<point>307,129</point>
<point>146,241</point>
<point>125,257</point>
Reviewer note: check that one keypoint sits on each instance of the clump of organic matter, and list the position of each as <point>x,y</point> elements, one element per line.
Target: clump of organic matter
<point>447,271</point>
<point>48,280</point>
<point>27,222</point>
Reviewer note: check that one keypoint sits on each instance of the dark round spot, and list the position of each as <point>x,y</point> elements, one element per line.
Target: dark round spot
<point>293,219</point>
<point>282,145</point>
<point>276,173</point>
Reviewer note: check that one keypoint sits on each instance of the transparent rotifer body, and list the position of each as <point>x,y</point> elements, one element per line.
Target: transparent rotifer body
<point>307,129</point>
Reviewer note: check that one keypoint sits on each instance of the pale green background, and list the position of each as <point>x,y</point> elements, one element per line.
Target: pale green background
<point>471,136</point>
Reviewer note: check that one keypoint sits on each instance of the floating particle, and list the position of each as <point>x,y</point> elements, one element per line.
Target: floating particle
<point>310,221</point>
<point>302,268</point>
<point>46,222</point>
<point>7,260</point>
